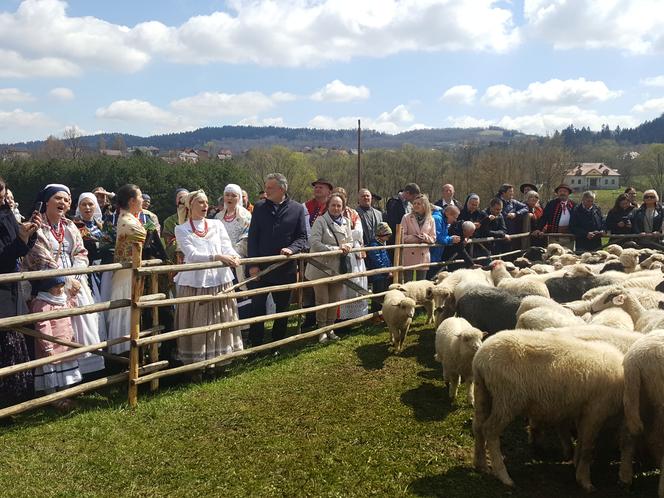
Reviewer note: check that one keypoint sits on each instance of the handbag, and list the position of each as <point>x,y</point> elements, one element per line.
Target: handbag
<point>344,263</point>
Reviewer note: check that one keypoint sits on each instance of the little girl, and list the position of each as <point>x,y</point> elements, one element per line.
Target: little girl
<point>58,375</point>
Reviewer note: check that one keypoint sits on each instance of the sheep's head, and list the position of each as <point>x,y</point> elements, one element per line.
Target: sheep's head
<point>522,263</point>
<point>396,287</point>
<point>554,250</point>
<point>614,249</point>
<point>568,259</point>
<point>630,258</point>
<point>440,276</point>
<point>471,339</point>
<point>578,271</point>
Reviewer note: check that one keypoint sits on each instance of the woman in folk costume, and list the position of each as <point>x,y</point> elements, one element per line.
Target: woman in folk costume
<point>88,219</point>
<point>130,231</point>
<point>59,245</point>
<point>236,220</point>
<point>358,308</point>
<point>202,240</point>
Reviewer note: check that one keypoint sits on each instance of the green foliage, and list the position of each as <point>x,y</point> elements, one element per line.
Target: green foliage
<point>153,175</point>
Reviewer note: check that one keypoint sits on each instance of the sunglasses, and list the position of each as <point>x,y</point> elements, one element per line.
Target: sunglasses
<point>649,197</point>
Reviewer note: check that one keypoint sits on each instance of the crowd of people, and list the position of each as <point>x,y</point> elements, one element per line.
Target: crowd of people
<point>106,225</point>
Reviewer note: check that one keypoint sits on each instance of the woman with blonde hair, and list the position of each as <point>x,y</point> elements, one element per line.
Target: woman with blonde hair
<point>417,227</point>
<point>200,240</point>
<point>647,219</point>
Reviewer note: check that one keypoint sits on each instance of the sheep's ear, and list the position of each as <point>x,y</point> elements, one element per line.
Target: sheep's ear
<point>484,334</point>
<point>429,295</point>
<point>619,299</point>
<point>660,305</point>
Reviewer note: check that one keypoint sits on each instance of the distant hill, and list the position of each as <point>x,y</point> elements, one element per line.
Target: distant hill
<point>240,138</point>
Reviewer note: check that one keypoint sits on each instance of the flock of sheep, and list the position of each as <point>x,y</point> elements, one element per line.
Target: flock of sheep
<point>573,343</point>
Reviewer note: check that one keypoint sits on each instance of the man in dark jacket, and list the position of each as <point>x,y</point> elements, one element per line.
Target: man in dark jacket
<point>447,197</point>
<point>494,226</point>
<point>587,224</point>
<point>556,217</point>
<point>277,227</point>
<point>399,206</point>
<point>370,217</point>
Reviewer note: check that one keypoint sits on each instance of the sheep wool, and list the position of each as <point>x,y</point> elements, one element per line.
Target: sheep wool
<point>398,313</point>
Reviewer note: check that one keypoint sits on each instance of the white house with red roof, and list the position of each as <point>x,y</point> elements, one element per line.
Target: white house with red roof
<point>592,176</point>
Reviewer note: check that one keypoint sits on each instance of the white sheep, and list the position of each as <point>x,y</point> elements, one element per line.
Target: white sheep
<point>614,249</point>
<point>541,268</point>
<point>554,249</point>
<point>420,292</point>
<point>398,313</point>
<point>521,286</point>
<point>630,260</point>
<point>645,320</point>
<point>456,343</point>
<point>651,260</point>
<point>547,378</point>
<point>531,302</point>
<point>643,401</point>
<point>546,317</point>
<point>447,292</point>
<point>620,339</point>
<point>614,318</point>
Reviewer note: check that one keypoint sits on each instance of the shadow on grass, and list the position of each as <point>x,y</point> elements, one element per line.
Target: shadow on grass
<point>428,401</point>
<point>373,356</point>
<point>421,346</point>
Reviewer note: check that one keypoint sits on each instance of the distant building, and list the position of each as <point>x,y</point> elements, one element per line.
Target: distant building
<point>592,176</point>
<point>145,150</point>
<point>224,154</point>
<point>188,156</point>
<point>631,155</point>
<point>111,152</point>
<point>11,154</point>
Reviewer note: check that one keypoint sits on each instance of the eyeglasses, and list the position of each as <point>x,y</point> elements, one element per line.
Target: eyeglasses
<point>649,197</point>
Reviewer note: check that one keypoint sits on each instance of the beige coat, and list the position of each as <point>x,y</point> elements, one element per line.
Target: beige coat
<point>322,239</point>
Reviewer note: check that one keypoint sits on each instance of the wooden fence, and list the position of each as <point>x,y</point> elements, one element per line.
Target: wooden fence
<point>147,368</point>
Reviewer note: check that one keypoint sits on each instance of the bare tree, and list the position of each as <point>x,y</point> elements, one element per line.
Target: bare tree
<point>53,148</point>
<point>73,142</point>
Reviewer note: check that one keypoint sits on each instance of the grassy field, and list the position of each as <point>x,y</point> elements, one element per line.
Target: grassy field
<point>344,419</point>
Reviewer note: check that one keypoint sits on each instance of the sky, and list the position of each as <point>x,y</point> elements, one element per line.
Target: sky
<point>149,67</point>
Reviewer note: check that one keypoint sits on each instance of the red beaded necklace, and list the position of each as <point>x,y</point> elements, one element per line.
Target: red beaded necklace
<point>228,217</point>
<point>59,236</point>
<point>199,233</point>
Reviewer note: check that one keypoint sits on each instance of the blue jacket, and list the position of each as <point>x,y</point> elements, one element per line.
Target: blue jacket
<point>377,259</point>
<point>442,235</point>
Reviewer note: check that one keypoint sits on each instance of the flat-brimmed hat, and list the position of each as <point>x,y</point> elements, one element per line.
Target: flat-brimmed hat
<point>322,181</point>
<point>565,186</point>
<point>103,191</point>
<point>524,185</point>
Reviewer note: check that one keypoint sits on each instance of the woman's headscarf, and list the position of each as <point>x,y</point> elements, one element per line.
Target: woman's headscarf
<point>185,209</point>
<point>93,198</point>
<point>235,189</point>
<point>49,191</point>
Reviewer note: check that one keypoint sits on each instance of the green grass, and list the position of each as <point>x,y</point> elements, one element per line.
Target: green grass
<point>344,419</point>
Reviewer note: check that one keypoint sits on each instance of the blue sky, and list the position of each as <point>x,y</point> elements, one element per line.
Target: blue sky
<point>147,67</point>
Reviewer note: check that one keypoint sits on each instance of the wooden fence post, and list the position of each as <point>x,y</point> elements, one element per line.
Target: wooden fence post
<point>397,255</point>
<point>154,348</point>
<point>135,324</point>
<point>526,227</point>
<point>300,294</point>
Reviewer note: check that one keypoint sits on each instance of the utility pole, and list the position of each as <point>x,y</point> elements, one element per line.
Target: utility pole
<point>359,156</point>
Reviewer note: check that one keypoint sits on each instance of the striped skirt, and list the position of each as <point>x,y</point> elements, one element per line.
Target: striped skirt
<point>194,348</point>
<point>57,376</point>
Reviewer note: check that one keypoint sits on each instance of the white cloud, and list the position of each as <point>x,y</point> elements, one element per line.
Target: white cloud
<point>216,104</point>
<point>652,106</point>
<point>19,118</point>
<point>62,93</point>
<point>552,92</point>
<point>265,32</point>
<point>653,81</point>
<point>14,95</point>
<point>136,111</point>
<point>42,30</point>
<point>461,94</point>
<point>338,91</point>
<point>256,121</point>
<point>633,26</point>
<point>394,121</point>
<point>547,122</point>
<point>14,65</point>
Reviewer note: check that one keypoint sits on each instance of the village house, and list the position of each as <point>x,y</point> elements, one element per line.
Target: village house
<point>592,176</point>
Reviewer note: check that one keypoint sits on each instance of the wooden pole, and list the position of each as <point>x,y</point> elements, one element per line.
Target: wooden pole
<point>359,155</point>
<point>135,323</point>
<point>300,295</point>
<point>154,348</point>
<point>14,321</point>
<point>397,254</point>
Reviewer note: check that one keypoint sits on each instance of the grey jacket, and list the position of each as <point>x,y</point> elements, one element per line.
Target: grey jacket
<point>323,239</point>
